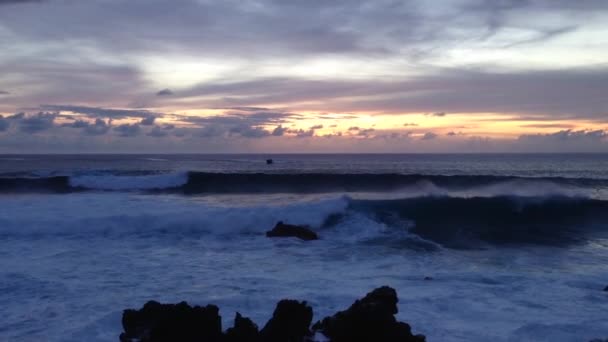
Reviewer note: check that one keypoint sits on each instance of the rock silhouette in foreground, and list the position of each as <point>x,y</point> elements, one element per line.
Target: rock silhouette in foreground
<point>289,230</point>
<point>368,319</point>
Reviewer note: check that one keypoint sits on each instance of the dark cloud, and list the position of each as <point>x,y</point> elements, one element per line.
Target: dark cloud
<point>2,92</point>
<point>4,124</point>
<point>249,109</point>
<point>36,123</point>
<point>366,132</point>
<point>158,132</point>
<point>279,131</point>
<point>249,132</point>
<point>98,127</point>
<point>440,114</point>
<point>9,2</point>
<point>165,92</point>
<point>16,116</point>
<point>248,125</point>
<point>302,133</point>
<point>76,124</point>
<point>149,121</point>
<point>568,135</point>
<point>429,136</point>
<point>408,124</point>
<point>549,125</point>
<point>564,141</point>
<point>97,112</point>
<point>353,128</point>
<point>128,130</point>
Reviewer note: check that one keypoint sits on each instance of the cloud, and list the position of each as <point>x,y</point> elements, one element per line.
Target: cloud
<point>2,92</point>
<point>565,141</point>
<point>98,112</point>
<point>158,132</point>
<point>365,132</point>
<point>567,135</point>
<point>16,116</point>
<point>4,124</point>
<point>279,131</point>
<point>408,124</point>
<point>37,123</point>
<point>302,133</point>
<point>549,125</point>
<point>165,92</point>
<point>99,127</point>
<point>248,125</point>
<point>440,114</point>
<point>128,130</point>
<point>429,136</point>
<point>9,2</point>
<point>149,121</point>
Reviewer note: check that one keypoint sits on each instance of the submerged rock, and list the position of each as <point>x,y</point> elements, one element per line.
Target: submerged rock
<point>369,319</point>
<point>289,230</point>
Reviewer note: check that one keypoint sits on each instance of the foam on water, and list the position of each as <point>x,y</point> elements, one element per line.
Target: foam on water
<point>122,182</point>
<point>68,271</point>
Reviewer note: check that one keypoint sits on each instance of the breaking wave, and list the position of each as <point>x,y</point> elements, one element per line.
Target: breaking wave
<point>427,222</point>
<point>251,183</point>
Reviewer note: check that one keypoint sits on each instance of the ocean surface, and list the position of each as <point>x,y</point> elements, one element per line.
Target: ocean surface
<point>516,245</point>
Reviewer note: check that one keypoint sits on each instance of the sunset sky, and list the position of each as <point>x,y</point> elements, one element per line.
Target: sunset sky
<point>303,76</point>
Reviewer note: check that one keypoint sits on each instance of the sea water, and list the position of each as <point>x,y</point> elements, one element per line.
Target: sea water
<point>516,245</point>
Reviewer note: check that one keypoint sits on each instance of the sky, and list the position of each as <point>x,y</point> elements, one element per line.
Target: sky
<point>314,76</point>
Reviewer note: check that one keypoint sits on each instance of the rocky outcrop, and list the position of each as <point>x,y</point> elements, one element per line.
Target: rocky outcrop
<point>289,230</point>
<point>157,322</point>
<point>290,322</point>
<point>368,319</point>
<point>244,330</point>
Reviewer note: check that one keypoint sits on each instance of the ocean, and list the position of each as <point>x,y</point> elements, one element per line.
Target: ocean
<point>516,245</point>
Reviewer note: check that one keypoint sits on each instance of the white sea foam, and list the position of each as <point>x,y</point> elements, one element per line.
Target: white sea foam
<point>71,263</point>
<point>122,182</point>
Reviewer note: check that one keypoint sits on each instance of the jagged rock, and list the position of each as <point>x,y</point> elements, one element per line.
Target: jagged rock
<point>157,322</point>
<point>290,322</point>
<point>369,319</point>
<point>289,230</point>
<point>244,330</point>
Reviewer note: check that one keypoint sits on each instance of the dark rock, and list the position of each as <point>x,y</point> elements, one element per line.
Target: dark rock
<point>288,230</point>
<point>606,288</point>
<point>244,330</point>
<point>157,322</point>
<point>290,322</point>
<point>428,278</point>
<point>269,161</point>
<point>369,319</point>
